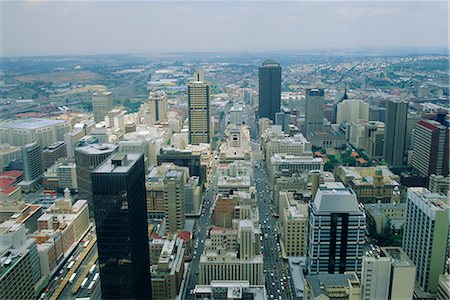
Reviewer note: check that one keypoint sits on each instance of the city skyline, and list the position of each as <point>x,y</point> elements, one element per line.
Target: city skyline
<point>79,27</point>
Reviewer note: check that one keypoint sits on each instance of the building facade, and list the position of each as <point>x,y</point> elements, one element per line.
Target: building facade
<point>395,132</point>
<point>269,89</point>
<point>314,111</point>
<point>199,93</point>
<point>101,104</point>
<point>121,224</point>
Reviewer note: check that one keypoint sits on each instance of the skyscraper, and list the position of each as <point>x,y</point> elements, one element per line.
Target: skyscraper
<point>33,164</point>
<point>174,195</point>
<point>426,236</point>
<point>101,104</point>
<point>337,227</point>
<point>430,148</point>
<point>157,107</point>
<point>269,89</point>
<point>395,131</point>
<point>87,158</point>
<point>121,223</point>
<point>314,110</point>
<point>199,110</point>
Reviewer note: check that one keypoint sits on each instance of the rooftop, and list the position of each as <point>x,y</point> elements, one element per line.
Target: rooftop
<point>32,123</point>
<point>336,200</point>
<point>94,149</point>
<point>107,166</point>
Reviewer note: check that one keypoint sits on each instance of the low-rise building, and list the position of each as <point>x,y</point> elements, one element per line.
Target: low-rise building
<point>332,286</point>
<point>230,289</point>
<point>371,184</point>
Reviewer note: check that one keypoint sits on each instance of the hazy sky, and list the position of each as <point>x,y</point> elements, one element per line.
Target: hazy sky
<point>96,27</point>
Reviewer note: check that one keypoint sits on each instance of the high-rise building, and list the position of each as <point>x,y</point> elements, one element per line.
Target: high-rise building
<point>395,131</point>
<point>199,92</point>
<point>387,273</point>
<point>33,164</point>
<point>87,158</point>
<point>314,111</point>
<point>337,227</point>
<point>20,270</point>
<point>174,195</point>
<point>157,107</point>
<point>269,89</point>
<point>426,236</point>
<point>53,152</point>
<point>352,110</point>
<point>121,223</point>
<point>101,104</point>
<point>430,148</point>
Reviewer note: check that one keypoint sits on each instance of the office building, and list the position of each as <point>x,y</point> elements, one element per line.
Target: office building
<point>101,104</point>
<point>351,111</point>
<point>313,111</point>
<point>115,123</point>
<point>118,186</point>
<point>293,225</point>
<point>332,286</point>
<point>431,148</point>
<point>426,236</point>
<point>370,184</point>
<point>269,89</point>
<point>8,153</point>
<point>66,170</point>
<point>199,93</point>
<point>174,196</point>
<point>336,232</point>
<point>157,108</point>
<point>395,132</point>
<point>19,269</point>
<point>223,289</point>
<point>53,152</point>
<point>71,220</point>
<point>439,184</point>
<point>87,158</point>
<point>291,164</point>
<point>33,166</point>
<point>167,273</point>
<point>387,273</point>
<point>20,132</point>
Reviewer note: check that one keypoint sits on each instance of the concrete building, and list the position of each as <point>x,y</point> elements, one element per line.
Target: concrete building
<point>439,184</point>
<point>71,139</point>
<point>101,104</point>
<point>242,263</point>
<point>20,132</point>
<point>431,148</point>
<point>263,124</point>
<point>67,174</point>
<point>426,236</point>
<point>115,122</point>
<point>157,108</point>
<point>360,133</point>
<point>380,215</point>
<point>336,232</point>
<point>7,154</point>
<point>237,114</point>
<point>395,132</point>
<point>387,273</point>
<point>53,152</point>
<point>376,144</point>
<point>293,224</point>
<point>118,186</point>
<point>281,163</point>
<point>230,289</point>
<point>87,158</point>
<point>352,111</point>
<point>314,111</point>
<point>33,166</point>
<point>167,273</point>
<point>174,196</point>
<point>296,145</point>
<point>332,286</point>
<point>71,220</point>
<point>370,184</point>
<point>19,269</point>
<point>199,92</point>
<point>269,89</point>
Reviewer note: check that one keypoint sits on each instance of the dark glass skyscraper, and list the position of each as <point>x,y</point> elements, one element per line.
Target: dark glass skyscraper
<point>269,89</point>
<point>120,211</point>
<point>395,131</point>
